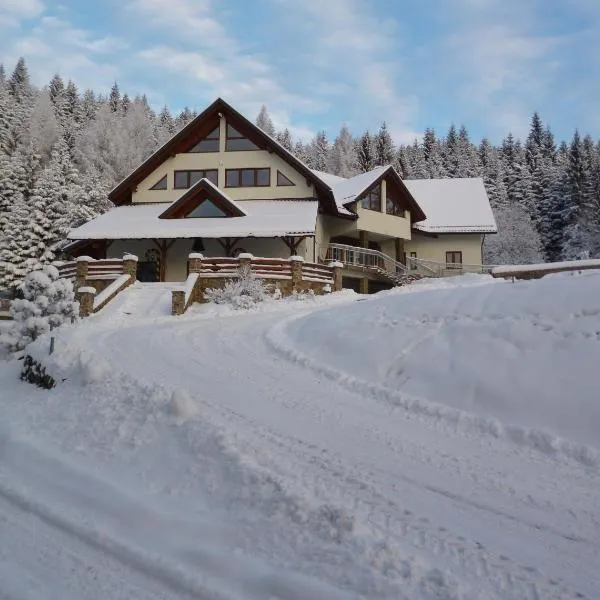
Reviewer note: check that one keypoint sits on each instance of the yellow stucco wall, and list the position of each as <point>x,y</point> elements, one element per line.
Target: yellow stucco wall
<point>430,248</point>
<point>221,161</point>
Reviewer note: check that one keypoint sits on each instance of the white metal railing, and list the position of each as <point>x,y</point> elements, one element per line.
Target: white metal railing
<point>365,258</point>
<point>357,257</point>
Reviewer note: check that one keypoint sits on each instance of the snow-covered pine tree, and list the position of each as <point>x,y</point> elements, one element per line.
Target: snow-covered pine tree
<point>183,118</point>
<point>365,153</point>
<point>44,127</point>
<point>2,75</point>
<point>265,122</point>
<point>343,154</point>
<point>166,121</point>
<point>89,106</point>
<point>285,139</point>
<point>301,152</point>
<point>48,302</point>
<point>319,152</point>
<point>449,152</point>
<point>466,157</point>
<point>383,146</point>
<point>432,152</point>
<point>125,103</point>
<point>19,83</point>
<point>535,140</point>
<point>114,99</point>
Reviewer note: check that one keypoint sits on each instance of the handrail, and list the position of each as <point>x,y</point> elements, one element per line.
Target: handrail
<point>366,258</point>
<point>440,267</point>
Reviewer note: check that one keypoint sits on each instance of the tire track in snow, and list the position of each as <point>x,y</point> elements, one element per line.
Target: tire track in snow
<point>461,420</point>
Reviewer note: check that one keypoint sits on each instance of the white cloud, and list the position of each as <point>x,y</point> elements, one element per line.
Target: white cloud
<point>12,12</point>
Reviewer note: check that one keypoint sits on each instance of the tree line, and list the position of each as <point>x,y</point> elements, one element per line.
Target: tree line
<point>63,149</point>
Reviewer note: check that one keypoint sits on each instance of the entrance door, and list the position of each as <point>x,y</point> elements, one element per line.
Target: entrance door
<point>148,270</point>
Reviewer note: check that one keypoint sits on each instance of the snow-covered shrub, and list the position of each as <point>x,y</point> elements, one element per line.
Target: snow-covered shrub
<point>245,291</point>
<point>47,303</point>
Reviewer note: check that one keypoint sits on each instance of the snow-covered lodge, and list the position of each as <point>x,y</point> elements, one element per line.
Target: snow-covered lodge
<point>221,186</point>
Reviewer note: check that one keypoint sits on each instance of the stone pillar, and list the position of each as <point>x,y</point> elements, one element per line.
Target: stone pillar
<point>337,275</point>
<point>194,263</point>
<point>177,302</point>
<point>245,262</point>
<point>85,296</point>
<point>296,265</point>
<point>364,239</point>
<point>81,270</point>
<point>130,262</point>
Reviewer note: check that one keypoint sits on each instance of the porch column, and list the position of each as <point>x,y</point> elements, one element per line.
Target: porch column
<point>399,250</point>
<point>364,282</point>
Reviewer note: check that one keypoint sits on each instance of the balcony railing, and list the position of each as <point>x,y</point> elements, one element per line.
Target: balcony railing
<point>365,258</point>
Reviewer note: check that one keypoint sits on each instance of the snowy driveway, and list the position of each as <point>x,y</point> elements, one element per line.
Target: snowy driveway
<point>332,481</point>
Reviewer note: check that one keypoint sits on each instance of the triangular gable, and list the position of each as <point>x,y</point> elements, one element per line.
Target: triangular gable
<point>201,127</point>
<point>348,191</point>
<point>190,204</point>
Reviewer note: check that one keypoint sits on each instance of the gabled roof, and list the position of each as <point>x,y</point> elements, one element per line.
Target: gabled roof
<point>263,218</point>
<point>196,194</point>
<point>453,205</point>
<point>347,191</point>
<point>202,125</point>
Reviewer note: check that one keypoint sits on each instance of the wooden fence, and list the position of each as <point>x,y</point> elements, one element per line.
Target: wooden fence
<point>288,275</point>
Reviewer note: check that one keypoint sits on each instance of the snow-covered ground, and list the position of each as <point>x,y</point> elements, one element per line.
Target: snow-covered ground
<point>408,445</point>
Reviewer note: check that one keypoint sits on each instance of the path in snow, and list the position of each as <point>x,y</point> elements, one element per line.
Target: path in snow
<point>141,300</point>
<point>500,518</point>
<point>287,470</point>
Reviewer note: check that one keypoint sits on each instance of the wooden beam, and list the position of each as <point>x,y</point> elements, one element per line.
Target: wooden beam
<point>228,244</point>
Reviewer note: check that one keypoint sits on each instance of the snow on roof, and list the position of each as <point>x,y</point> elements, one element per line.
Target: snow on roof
<point>453,205</point>
<point>328,178</point>
<point>348,190</point>
<point>265,218</point>
<point>345,191</point>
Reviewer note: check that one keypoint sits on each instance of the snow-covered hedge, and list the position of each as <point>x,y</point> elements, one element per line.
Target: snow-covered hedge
<point>47,303</point>
<point>245,291</point>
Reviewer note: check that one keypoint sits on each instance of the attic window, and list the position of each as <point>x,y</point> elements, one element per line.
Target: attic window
<point>283,180</point>
<point>372,200</point>
<point>161,184</point>
<point>236,141</point>
<point>206,209</point>
<point>208,144</point>
<point>392,205</point>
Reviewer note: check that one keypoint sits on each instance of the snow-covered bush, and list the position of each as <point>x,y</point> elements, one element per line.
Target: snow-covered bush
<point>245,291</point>
<point>47,303</point>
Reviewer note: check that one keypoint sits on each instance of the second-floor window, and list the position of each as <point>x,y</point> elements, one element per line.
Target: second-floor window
<point>186,179</point>
<point>372,200</point>
<point>248,177</point>
<point>392,207</point>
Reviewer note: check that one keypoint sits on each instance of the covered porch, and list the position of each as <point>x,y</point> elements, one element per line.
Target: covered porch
<point>165,259</point>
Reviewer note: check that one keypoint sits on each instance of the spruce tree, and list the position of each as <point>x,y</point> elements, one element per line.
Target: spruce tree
<point>265,122</point>
<point>319,152</point>
<point>432,152</point>
<point>114,99</point>
<point>19,84</point>
<point>285,139</point>
<point>384,147</point>
<point>343,154</point>
<point>365,153</point>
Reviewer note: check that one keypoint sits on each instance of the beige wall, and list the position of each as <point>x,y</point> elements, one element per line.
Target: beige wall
<point>430,248</point>
<point>221,161</point>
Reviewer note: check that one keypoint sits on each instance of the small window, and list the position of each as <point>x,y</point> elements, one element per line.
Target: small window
<point>236,141</point>
<point>372,200</point>
<point>454,259</point>
<point>206,209</point>
<point>186,179</point>
<point>283,180</point>
<point>208,144</point>
<point>161,184</point>
<point>413,263</point>
<point>248,177</point>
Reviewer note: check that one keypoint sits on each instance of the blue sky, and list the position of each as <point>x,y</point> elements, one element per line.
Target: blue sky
<point>487,64</point>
